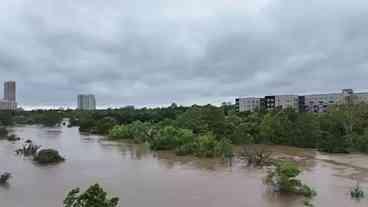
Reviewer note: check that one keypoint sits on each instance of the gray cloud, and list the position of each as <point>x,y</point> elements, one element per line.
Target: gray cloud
<point>151,53</point>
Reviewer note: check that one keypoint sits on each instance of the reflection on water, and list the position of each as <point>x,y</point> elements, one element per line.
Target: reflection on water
<point>144,178</point>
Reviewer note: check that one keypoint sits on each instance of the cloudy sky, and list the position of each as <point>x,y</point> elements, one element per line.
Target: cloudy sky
<point>155,52</point>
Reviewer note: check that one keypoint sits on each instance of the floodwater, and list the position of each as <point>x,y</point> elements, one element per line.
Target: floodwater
<point>141,178</point>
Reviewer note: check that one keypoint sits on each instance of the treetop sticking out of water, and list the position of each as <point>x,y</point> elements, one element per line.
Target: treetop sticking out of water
<point>94,196</point>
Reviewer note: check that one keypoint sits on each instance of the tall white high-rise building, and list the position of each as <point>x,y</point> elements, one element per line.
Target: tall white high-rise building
<point>9,101</point>
<point>10,91</point>
<point>86,102</point>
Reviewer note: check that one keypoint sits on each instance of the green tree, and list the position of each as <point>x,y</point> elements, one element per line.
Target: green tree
<point>283,179</point>
<point>104,125</point>
<point>94,196</point>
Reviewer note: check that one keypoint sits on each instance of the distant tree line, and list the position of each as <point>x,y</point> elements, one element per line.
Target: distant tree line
<point>343,128</point>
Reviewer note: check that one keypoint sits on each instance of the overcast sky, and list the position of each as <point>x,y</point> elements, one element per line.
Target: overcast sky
<point>155,52</point>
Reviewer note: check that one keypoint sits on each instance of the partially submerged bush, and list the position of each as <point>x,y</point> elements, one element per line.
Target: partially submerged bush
<point>257,157</point>
<point>4,177</point>
<point>357,192</point>
<point>94,196</point>
<point>169,138</point>
<point>48,156</point>
<point>283,179</point>
<point>120,132</point>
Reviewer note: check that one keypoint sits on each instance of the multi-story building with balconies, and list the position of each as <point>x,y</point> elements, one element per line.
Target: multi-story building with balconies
<point>309,103</point>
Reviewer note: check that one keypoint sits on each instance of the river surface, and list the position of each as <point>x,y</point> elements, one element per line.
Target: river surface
<point>141,178</point>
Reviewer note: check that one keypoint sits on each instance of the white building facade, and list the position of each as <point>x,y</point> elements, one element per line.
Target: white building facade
<point>250,104</point>
<point>86,102</point>
<point>9,101</point>
<point>287,101</point>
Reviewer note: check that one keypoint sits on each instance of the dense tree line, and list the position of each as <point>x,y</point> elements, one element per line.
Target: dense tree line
<point>343,128</point>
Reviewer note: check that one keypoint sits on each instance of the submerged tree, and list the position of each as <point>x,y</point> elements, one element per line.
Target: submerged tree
<point>4,177</point>
<point>94,196</point>
<point>283,179</point>
<point>357,192</point>
<point>48,156</point>
<point>256,156</point>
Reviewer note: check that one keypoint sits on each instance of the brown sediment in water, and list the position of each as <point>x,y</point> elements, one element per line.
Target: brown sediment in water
<point>161,179</point>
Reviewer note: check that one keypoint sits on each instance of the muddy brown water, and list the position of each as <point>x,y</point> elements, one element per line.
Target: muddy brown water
<point>141,178</point>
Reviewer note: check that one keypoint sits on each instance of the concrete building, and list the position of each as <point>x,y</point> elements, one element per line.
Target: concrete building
<point>10,91</point>
<point>86,102</point>
<point>7,105</point>
<point>287,101</point>
<point>320,102</point>
<point>310,103</point>
<point>9,101</point>
<point>248,104</point>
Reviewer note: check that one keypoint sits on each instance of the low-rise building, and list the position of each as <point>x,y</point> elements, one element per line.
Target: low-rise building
<point>287,101</point>
<point>310,103</point>
<point>250,104</point>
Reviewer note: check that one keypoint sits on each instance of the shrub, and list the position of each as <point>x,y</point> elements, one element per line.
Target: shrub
<point>283,179</point>
<point>4,177</point>
<point>47,156</point>
<point>224,148</point>
<point>104,125</point>
<point>186,149</point>
<point>206,146</point>
<point>94,196</point>
<point>120,132</point>
<point>357,192</point>
<point>166,139</point>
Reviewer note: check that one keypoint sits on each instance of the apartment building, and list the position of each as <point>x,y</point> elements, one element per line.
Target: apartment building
<point>320,102</point>
<point>251,104</point>
<point>310,103</point>
<point>9,101</point>
<point>86,102</point>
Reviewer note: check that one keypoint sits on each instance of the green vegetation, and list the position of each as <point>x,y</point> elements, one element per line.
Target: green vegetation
<point>48,156</point>
<point>183,141</point>
<point>357,192</point>
<point>342,129</point>
<point>283,179</point>
<point>94,196</point>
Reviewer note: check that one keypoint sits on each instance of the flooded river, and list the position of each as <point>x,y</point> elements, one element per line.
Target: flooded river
<point>141,178</point>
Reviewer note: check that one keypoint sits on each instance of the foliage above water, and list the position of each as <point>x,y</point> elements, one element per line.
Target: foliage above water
<point>94,196</point>
<point>357,192</point>
<point>4,177</point>
<point>283,179</point>
<point>48,156</point>
<point>342,129</point>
